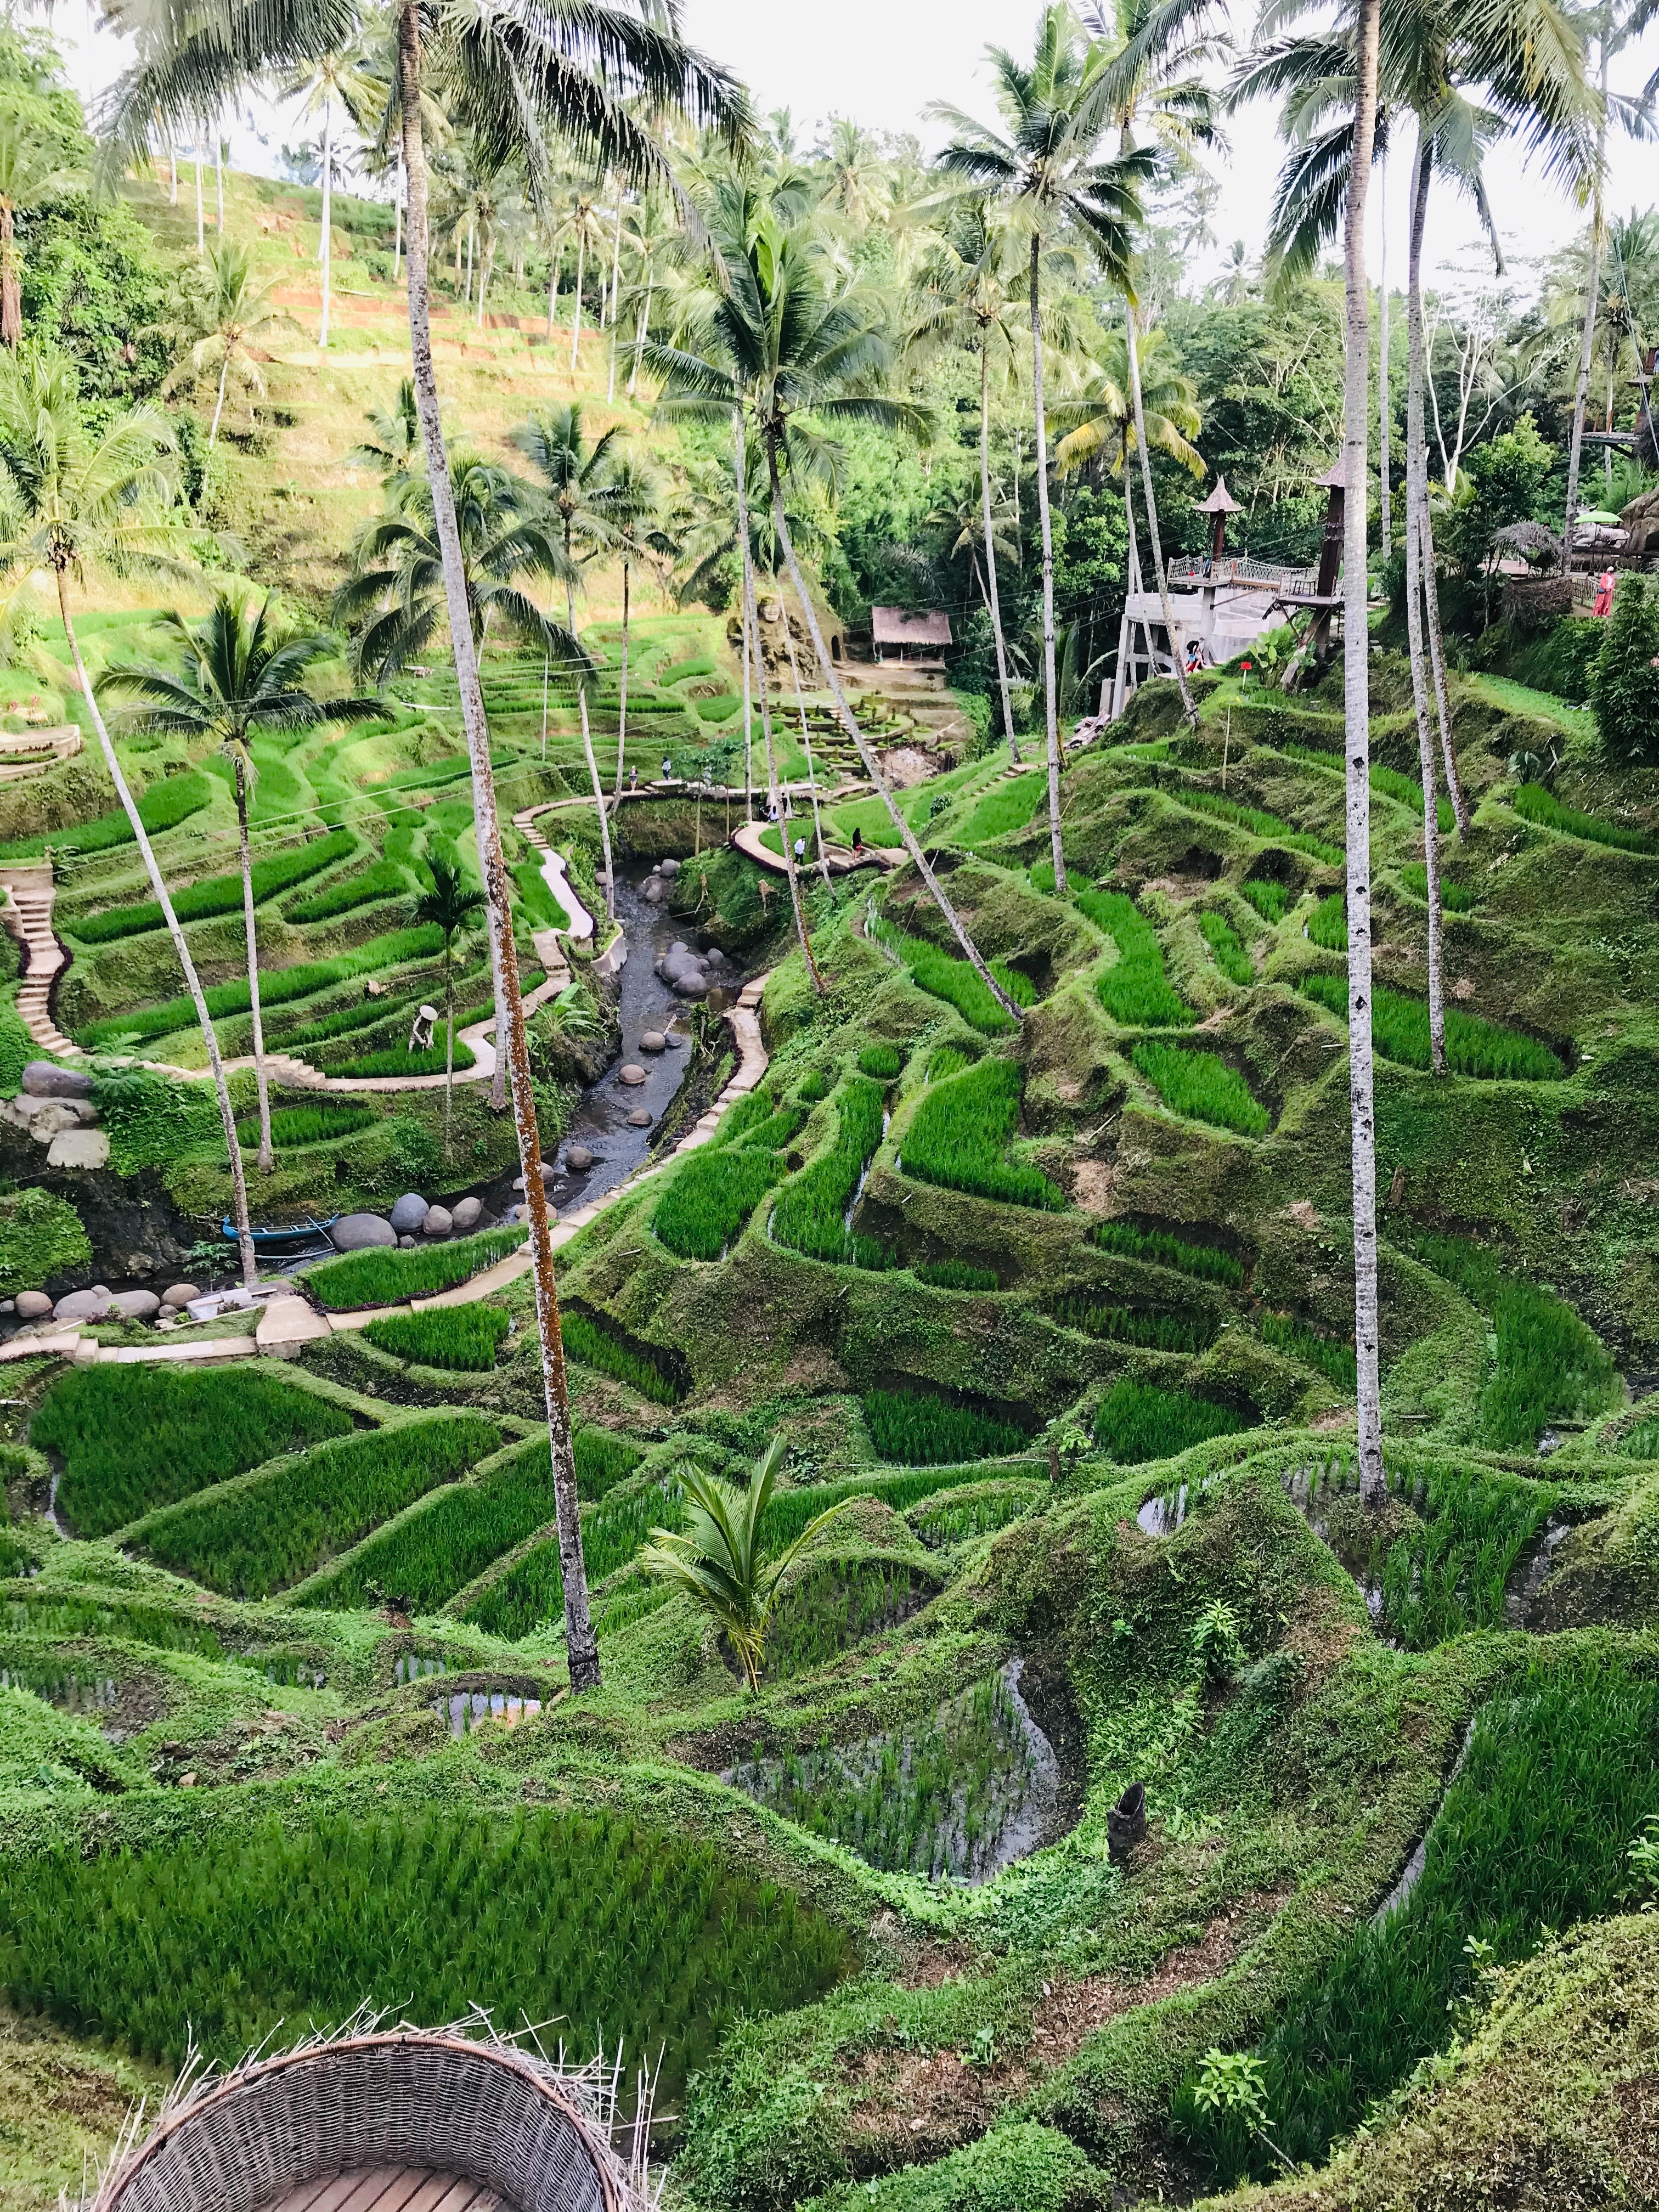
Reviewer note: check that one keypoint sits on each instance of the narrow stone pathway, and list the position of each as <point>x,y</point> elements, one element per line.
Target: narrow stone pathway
<point>748,836</point>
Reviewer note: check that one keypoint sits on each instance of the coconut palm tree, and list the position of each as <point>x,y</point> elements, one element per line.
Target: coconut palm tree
<point>393,448</point>
<point>578,472</point>
<point>343,79</point>
<point>634,514</point>
<point>396,590</point>
<point>239,676</point>
<point>969,296</point>
<point>779,346</point>
<point>601,79</point>
<point>70,495</point>
<point>716,1559</point>
<point>32,169</point>
<point>224,310</point>
<point>449,905</point>
<point>1104,421</point>
<point>1048,173</point>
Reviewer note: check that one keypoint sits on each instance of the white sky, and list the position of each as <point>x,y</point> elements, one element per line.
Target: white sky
<point>883,61</point>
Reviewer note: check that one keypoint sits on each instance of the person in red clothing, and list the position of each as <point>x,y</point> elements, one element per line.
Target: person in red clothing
<point>1605,585</point>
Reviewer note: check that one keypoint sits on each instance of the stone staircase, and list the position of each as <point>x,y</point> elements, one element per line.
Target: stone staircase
<point>27,915</point>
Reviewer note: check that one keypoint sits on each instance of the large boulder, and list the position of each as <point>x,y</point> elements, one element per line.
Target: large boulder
<point>32,1305</point>
<point>670,869</point>
<point>79,1148</point>
<point>653,1040</point>
<point>51,1118</point>
<point>356,1232</point>
<point>466,1215</point>
<point>180,1294</point>
<point>639,1119</point>
<point>438,1222</point>
<point>409,1214</point>
<point>41,1079</point>
<point>94,1304</point>
<point>630,1072</point>
<point>579,1159</point>
<point>136,1305</point>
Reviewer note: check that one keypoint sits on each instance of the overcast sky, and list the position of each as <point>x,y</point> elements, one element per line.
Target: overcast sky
<point>883,61</point>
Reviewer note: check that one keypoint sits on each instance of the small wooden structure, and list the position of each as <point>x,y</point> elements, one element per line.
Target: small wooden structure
<point>1220,504</point>
<point>919,639</point>
<point>405,2120</point>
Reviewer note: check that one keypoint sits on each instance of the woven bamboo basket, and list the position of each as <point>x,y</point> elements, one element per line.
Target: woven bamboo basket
<point>480,2109</point>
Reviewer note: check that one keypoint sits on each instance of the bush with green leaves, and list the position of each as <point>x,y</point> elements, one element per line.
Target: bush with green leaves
<point>959,1135</point>
<point>134,1439</point>
<point>1136,1421</point>
<point>385,1276</point>
<point>253,1537</point>
<point>41,1236</point>
<point>1159,1248</point>
<point>17,1046</point>
<point>1624,678</point>
<point>1135,989</point>
<point>152,1120</point>
<point>1474,1046</point>
<point>216,895</point>
<point>463,1339</point>
<point>917,1428</point>
<point>1202,1086</point>
<point>210,1941</point>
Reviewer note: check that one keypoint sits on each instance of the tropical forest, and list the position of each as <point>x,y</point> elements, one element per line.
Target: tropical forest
<point>831,983</point>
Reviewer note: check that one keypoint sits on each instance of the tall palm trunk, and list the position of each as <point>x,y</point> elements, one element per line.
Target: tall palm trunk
<point>990,548</point>
<point>325,243</point>
<point>449,1046</point>
<point>399,193</point>
<point>616,282</point>
<point>1437,653</point>
<point>582,1645</point>
<point>806,745</point>
<point>621,690</point>
<point>173,172</point>
<point>201,235</point>
<point>266,1160</point>
<point>1160,575</point>
<point>1385,490</point>
<point>587,747</point>
<point>871,769</point>
<point>1592,293</point>
<point>1416,494</point>
<point>778,794</point>
<point>11,284</point>
<point>552,289</point>
<point>1049,704</point>
<point>576,320</point>
<point>639,335</point>
<point>219,173</point>
<point>1356,700</point>
<point>219,403</point>
<point>181,949</point>
<point>748,714</point>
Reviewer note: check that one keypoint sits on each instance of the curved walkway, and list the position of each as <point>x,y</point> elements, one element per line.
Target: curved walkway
<point>841,859</point>
<point>290,1319</point>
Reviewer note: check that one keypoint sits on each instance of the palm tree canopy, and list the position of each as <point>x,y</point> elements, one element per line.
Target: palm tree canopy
<point>450,904</point>
<point>600,74</point>
<point>33,166</point>
<point>575,470</point>
<point>1102,425</point>
<point>239,674</point>
<point>68,492</point>
<point>396,589</point>
<point>393,448</point>
<point>1046,165</point>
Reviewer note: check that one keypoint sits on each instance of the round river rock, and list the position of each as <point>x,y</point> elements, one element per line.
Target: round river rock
<point>409,1214</point>
<point>356,1232</point>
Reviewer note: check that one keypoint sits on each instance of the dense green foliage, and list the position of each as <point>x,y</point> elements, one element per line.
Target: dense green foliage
<point>1136,1421</point>
<point>1158,1332</point>
<point>883,1062</point>
<point>216,895</point>
<point>821,1612</point>
<point>1549,1365</point>
<point>427,1556</point>
<point>385,1275</point>
<point>163,807</point>
<point>1134,990</point>
<point>610,1929</point>
<point>958,1138</point>
<point>594,1346</point>
<point>919,1429</point>
<point>41,1236</point>
<point>152,1119</point>
<point>1159,1248</point>
<point>134,1439</point>
<point>1531,1838</point>
<point>531,1594</point>
<point>943,976</point>
<point>293,1125</point>
<point>1454,897</point>
<point>465,1338</point>
<point>271,1529</point>
<point>1259,824</point>
<point>1454,1576</point>
<point>811,1212</point>
<point>712,1196</point>
<point>1474,1046</point>
<point>1335,1360</point>
<point>1200,1085</point>
<point>1230,956</point>
<point>1271,899</point>
<point>1534,804</point>
<point>1624,678</point>
<point>382,879</point>
<point>958,1275</point>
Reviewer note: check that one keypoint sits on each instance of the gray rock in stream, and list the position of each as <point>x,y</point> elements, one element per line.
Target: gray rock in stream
<point>409,1214</point>
<point>357,1232</point>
